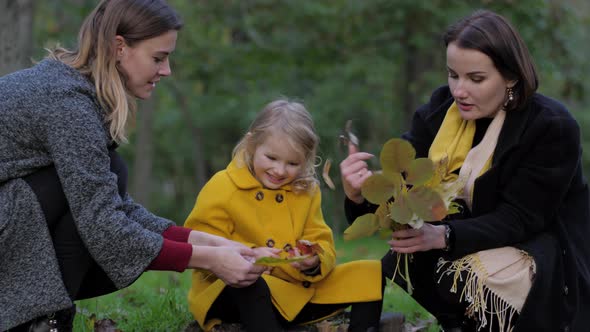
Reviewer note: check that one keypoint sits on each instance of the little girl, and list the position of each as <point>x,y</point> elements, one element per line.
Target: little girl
<point>268,198</point>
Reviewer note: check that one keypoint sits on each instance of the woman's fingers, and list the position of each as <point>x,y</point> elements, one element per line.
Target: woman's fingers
<point>354,171</point>
<point>408,241</point>
<point>425,238</point>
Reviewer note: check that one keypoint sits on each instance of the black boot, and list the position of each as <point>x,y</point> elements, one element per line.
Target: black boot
<point>60,321</point>
<point>65,319</point>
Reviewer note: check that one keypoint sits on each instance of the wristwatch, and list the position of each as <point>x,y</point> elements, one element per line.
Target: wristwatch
<point>447,238</point>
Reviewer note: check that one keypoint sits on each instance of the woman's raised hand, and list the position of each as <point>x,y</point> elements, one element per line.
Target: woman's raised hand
<point>354,171</point>
<point>199,238</point>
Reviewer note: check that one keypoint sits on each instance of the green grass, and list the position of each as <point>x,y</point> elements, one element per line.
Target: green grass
<point>157,300</point>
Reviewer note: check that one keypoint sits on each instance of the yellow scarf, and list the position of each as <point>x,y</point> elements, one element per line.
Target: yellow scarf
<point>453,141</point>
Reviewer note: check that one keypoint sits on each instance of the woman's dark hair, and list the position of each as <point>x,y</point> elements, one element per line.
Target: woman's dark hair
<point>494,36</point>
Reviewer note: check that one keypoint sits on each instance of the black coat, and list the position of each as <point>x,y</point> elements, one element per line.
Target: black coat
<point>534,197</point>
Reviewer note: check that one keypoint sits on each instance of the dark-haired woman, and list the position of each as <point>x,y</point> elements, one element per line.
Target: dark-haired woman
<point>517,258</point>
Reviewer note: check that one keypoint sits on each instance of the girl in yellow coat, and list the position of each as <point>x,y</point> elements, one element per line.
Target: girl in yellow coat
<point>268,198</point>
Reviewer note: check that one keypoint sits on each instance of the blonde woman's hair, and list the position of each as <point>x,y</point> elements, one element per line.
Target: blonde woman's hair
<point>292,121</point>
<point>135,21</point>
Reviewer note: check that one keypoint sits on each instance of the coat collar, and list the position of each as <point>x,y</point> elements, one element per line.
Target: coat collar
<point>513,127</point>
<point>243,178</point>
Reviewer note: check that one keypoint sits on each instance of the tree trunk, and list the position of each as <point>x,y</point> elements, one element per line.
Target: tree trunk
<point>200,166</point>
<point>143,162</point>
<point>16,28</point>
<point>410,74</point>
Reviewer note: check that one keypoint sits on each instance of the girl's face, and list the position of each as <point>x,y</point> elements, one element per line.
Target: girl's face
<point>146,62</point>
<point>276,163</point>
<point>477,86</point>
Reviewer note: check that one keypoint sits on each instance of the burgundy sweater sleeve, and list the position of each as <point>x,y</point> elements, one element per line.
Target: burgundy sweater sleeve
<point>175,253</point>
<point>174,256</point>
<point>177,233</point>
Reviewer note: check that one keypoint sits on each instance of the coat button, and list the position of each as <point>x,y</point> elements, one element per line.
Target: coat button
<point>279,198</point>
<point>306,284</point>
<point>270,243</point>
<point>259,195</point>
<point>565,290</point>
<point>287,247</point>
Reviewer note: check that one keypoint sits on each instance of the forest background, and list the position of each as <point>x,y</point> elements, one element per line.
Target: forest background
<point>372,61</point>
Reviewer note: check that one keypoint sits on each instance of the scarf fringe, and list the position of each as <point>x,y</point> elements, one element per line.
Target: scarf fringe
<point>476,294</point>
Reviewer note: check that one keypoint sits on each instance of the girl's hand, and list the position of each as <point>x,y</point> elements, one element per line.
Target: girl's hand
<point>307,264</point>
<point>427,237</point>
<point>266,252</point>
<point>354,171</point>
<point>233,265</point>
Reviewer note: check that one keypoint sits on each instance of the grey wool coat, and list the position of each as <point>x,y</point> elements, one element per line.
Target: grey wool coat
<point>50,115</point>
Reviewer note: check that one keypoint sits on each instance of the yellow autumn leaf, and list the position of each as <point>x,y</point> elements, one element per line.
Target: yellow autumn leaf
<point>379,188</point>
<point>363,226</point>
<point>427,204</point>
<point>396,156</point>
<point>400,209</point>
<point>421,171</point>
<point>326,174</point>
<point>277,261</point>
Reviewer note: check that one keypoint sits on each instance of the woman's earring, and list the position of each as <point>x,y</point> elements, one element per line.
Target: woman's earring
<point>510,98</point>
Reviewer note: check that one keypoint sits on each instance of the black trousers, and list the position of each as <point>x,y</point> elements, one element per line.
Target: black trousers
<point>431,289</point>
<point>81,275</point>
<point>252,307</point>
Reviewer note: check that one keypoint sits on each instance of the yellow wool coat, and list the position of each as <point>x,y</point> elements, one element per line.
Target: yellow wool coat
<point>233,204</point>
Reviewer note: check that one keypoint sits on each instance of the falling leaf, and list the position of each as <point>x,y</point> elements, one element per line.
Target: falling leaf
<point>348,136</point>
<point>326,174</point>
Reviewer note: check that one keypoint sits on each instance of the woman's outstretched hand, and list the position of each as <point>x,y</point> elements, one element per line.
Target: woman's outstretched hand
<point>427,237</point>
<point>234,265</point>
<point>198,238</point>
<point>354,171</point>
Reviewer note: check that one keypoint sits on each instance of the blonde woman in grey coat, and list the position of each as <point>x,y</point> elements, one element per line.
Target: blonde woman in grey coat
<point>68,229</point>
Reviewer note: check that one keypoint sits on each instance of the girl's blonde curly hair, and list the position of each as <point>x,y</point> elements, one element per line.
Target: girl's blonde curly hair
<point>290,120</point>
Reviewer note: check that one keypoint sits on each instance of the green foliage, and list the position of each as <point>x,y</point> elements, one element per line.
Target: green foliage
<point>372,61</point>
<point>156,302</point>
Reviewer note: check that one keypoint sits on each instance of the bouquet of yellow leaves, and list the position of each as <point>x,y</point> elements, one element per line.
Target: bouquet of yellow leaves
<point>408,192</point>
